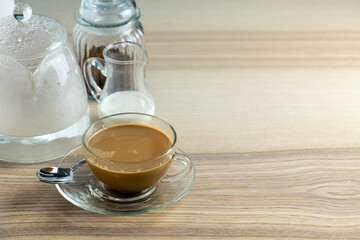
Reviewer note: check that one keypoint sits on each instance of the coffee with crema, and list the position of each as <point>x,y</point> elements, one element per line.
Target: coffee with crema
<point>129,158</point>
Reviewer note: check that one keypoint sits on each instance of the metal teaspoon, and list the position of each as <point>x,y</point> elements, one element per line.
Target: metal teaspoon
<point>57,175</point>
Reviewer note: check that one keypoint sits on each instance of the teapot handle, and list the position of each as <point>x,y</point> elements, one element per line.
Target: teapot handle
<point>94,88</point>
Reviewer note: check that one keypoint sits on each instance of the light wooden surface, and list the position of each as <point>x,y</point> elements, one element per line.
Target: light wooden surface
<point>265,98</point>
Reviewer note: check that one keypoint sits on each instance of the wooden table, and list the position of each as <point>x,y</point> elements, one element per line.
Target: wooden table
<point>265,97</point>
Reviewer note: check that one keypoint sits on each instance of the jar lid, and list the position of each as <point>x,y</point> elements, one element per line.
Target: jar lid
<point>25,35</point>
<point>107,13</point>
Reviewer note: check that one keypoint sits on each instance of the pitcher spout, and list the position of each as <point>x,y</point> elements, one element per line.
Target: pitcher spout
<point>125,88</point>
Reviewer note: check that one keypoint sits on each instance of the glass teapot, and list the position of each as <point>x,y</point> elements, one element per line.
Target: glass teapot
<point>43,99</point>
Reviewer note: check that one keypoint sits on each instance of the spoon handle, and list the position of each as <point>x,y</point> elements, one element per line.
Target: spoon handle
<point>78,164</point>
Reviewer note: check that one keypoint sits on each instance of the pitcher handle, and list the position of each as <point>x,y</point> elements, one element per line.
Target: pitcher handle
<point>94,88</point>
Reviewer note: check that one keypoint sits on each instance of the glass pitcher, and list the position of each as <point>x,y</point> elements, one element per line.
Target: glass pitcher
<point>102,22</point>
<point>125,87</point>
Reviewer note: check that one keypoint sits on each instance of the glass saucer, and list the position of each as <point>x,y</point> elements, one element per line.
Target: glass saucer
<point>81,193</point>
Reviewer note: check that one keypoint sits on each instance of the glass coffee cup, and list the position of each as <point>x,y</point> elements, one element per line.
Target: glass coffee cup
<point>130,153</point>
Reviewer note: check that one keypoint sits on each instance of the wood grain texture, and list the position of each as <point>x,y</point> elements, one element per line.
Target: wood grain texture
<point>264,96</point>
<point>311,194</point>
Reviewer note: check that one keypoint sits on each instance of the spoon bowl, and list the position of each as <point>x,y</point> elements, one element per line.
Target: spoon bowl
<point>55,175</point>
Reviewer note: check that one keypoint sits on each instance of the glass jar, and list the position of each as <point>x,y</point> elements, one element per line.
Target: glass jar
<point>101,22</point>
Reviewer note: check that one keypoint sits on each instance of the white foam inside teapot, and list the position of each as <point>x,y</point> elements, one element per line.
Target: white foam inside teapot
<point>46,101</point>
<point>41,86</point>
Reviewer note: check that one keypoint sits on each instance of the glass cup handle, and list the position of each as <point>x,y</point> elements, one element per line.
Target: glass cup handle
<point>89,79</point>
<point>185,171</point>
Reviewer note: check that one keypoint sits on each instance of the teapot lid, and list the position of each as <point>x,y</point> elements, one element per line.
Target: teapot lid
<point>25,35</point>
<point>107,13</point>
